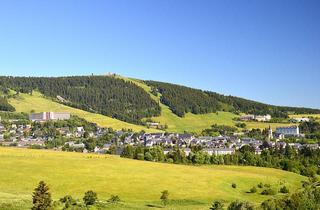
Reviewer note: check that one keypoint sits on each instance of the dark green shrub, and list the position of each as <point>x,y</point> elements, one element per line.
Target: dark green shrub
<point>90,198</point>
<point>253,190</point>
<point>284,189</point>
<point>114,199</point>
<point>216,205</point>
<point>268,191</point>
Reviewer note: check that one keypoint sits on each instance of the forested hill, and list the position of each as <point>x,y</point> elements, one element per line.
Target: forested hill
<point>101,94</point>
<point>124,100</point>
<point>183,99</point>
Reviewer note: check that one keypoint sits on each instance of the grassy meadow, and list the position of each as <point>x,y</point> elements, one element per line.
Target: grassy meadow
<point>36,102</point>
<point>138,183</point>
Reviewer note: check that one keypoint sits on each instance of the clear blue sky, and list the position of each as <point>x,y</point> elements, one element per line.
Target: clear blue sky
<point>266,50</point>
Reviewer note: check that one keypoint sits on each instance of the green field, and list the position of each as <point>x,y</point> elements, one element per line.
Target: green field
<point>196,123</point>
<point>138,183</point>
<point>36,102</point>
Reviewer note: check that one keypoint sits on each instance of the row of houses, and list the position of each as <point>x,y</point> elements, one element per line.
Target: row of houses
<point>25,135</point>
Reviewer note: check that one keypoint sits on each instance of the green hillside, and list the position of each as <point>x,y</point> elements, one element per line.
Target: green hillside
<point>136,105</point>
<point>182,100</point>
<point>138,183</point>
<point>195,122</point>
<point>36,102</point>
<point>105,95</point>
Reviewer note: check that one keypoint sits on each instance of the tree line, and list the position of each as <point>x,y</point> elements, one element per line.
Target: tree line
<point>305,161</point>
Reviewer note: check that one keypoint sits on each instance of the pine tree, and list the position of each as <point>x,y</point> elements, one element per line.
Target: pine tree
<point>164,197</point>
<point>41,197</point>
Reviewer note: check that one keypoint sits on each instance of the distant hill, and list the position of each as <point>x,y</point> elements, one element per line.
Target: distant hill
<point>177,108</point>
<point>182,100</point>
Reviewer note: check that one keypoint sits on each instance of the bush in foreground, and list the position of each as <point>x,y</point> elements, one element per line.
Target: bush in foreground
<point>114,199</point>
<point>90,198</point>
<point>216,205</point>
<point>164,197</point>
<point>238,205</point>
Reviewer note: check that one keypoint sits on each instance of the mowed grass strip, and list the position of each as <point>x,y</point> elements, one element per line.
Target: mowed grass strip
<point>36,102</point>
<point>138,183</point>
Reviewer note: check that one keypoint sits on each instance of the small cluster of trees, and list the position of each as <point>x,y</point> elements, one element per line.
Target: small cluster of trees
<point>42,199</point>
<point>306,198</point>
<point>234,205</point>
<point>216,130</point>
<point>311,129</point>
<point>267,190</point>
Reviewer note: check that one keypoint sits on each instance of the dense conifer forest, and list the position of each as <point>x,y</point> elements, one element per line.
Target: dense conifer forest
<point>5,106</point>
<point>101,94</point>
<point>183,99</point>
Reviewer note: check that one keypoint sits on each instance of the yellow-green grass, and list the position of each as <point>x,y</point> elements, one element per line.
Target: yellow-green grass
<point>138,183</point>
<point>36,102</point>
<point>196,123</point>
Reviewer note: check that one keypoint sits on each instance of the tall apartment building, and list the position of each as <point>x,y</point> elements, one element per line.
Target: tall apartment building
<point>45,116</point>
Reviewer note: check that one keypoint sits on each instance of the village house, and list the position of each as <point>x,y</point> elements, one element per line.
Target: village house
<point>259,118</point>
<point>247,117</point>
<point>75,145</point>
<point>300,119</point>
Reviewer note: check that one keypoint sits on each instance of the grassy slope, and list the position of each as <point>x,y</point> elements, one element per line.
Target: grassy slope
<point>26,103</point>
<point>196,123</point>
<point>138,183</point>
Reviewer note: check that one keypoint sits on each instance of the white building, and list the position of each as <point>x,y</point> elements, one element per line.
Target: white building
<point>220,151</point>
<point>45,116</point>
<point>288,131</point>
<point>300,119</point>
<point>262,118</point>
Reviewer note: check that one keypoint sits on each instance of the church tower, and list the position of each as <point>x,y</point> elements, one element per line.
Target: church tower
<point>270,135</point>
